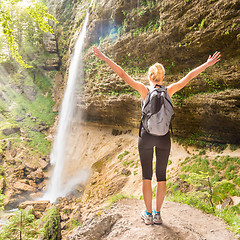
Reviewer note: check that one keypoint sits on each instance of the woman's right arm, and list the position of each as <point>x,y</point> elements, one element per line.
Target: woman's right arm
<point>140,87</point>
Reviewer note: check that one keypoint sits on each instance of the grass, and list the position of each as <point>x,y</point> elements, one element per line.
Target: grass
<point>118,197</point>
<point>230,215</point>
<point>193,140</point>
<point>33,113</point>
<point>121,155</point>
<point>221,173</point>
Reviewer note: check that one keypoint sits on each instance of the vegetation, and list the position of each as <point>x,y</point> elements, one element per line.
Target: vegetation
<point>22,225</point>
<point>2,197</point>
<point>194,140</point>
<point>17,19</point>
<point>205,183</point>
<point>29,116</point>
<point>50,223</point>
<point>117,197</point>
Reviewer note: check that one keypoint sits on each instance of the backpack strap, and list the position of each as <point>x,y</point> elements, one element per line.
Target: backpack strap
<point>140,129</point>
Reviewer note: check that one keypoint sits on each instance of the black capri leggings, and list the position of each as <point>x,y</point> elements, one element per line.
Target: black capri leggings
<point>146,144</point>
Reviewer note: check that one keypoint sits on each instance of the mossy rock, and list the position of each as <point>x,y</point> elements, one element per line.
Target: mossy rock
<point>50,227</point>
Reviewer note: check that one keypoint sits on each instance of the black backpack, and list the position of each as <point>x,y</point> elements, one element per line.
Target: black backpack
<point>157,111</point>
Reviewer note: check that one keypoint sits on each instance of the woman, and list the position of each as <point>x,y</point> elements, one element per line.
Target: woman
<point>147,142</point>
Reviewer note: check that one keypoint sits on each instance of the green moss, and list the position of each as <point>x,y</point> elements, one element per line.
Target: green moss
<point>98,166</point>
<point>50,223</point>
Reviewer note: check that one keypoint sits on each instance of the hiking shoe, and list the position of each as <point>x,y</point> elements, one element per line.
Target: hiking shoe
<point>157,218</point>
<point>147,218</point>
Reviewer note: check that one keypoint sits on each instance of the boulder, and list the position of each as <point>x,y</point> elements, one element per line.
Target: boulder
<point>13,152</point>
<point>43,164</point>
<point>96,227</point>
<point>50,43</point>
<point>19,118</point>
<point>30,92</point>
<point>9,131</point>
<point>236,200</point>
<point>24,187</point>
<point>126,172</point>
<point>39,175</point>
<point>31,166</point>
<point>39,206</point>
<point>228,201</point>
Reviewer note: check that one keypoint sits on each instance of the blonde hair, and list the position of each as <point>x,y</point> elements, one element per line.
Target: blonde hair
<point>156,72</point>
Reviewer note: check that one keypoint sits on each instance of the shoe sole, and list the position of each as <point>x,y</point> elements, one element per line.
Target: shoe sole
<point>147,223</point>
<point>158,223</point>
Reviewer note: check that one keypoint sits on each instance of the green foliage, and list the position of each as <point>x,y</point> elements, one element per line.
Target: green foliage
<point>2,170</point>
<point>11,27</point>
<point>223,190</point>
<point>201,25</point>
<point>2,197</point>
<point>230,215</point>
<point>126,163</point>
<point>193,140</point>
<point>213,86</point>
<point>21,223</point>
<point>215,179</point>
<point>50,223</point>
<point>121,155</point>
<point>35,114</point>
<point>117,197</point>
<point>202,182</point>
<point>38,12</point>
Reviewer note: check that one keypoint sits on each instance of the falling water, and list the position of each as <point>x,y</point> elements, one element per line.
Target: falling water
<point>57,187</point>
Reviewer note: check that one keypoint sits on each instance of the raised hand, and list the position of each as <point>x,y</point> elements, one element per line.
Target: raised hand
<point>215,58</point>
<point>98,53</point>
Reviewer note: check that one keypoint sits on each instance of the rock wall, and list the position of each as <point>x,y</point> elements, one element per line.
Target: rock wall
<point>179,34</point>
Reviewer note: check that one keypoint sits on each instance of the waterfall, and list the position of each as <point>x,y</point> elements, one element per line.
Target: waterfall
<point>57,187</point>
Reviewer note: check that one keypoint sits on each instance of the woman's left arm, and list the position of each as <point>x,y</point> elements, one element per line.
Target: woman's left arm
<point>174,87</point>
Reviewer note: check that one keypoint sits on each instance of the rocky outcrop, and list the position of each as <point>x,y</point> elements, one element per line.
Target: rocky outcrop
<point>95,227</point>
<point>50,44</point>
<point>214,117</point>
<point>175,32</point>
<point>52,63</point>
<point>136,34</point>
<point>25,180</point>
<point>180,221</point>
<point>24,187</point>
<point>38,207</point>
<point>124,110</point>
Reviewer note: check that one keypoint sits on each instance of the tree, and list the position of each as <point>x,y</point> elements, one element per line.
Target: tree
<point>37,11</point>
<point>22,225</point>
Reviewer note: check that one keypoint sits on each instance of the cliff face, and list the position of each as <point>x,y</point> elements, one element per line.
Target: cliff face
<point>180,35</point>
